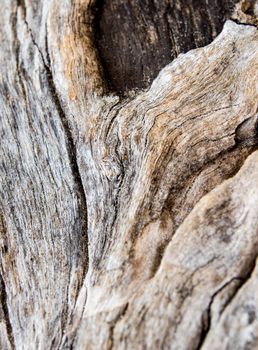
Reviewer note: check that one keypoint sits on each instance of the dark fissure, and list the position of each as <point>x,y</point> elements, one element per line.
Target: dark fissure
<point>136,38</point>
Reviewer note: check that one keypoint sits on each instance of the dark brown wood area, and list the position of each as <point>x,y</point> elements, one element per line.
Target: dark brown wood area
<point>136,38</point>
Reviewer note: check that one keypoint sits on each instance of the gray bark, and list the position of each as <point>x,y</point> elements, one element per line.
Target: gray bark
<point>127,220</point>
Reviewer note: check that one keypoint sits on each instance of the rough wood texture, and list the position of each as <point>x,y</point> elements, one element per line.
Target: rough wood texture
<point>127,223</point>
<point>142,36</point>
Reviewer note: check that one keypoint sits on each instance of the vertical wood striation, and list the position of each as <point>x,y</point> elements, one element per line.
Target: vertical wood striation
<point>128,222</point>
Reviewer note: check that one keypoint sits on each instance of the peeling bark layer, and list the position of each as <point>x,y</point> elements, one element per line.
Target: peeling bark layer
<point>128,223</point>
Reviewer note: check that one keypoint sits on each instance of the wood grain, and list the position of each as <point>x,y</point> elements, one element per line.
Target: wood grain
<point>127,221</point>
<point>135,39</point>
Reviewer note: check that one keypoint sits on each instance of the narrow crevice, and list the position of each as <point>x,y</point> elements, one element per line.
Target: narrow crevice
<point>208,316</point>
<point>21,4</point>
<point>4,303</point>
<point>71,151</point>
<point>71,148</point>
<point>120,315</point>
<point>119,184</point>
<point>248,24</point>
<point>243,280</point>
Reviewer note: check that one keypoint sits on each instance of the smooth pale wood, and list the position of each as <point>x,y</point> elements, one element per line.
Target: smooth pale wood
<point>126,223</point>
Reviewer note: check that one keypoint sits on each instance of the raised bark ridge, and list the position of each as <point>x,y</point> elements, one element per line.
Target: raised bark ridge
<point>126,223</point>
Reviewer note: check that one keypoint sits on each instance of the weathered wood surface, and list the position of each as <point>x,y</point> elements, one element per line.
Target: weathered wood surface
<point>142,36</point>
<point>127,223</point>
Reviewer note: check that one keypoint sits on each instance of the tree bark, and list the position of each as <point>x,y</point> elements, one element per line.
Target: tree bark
<point>129,171</point>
